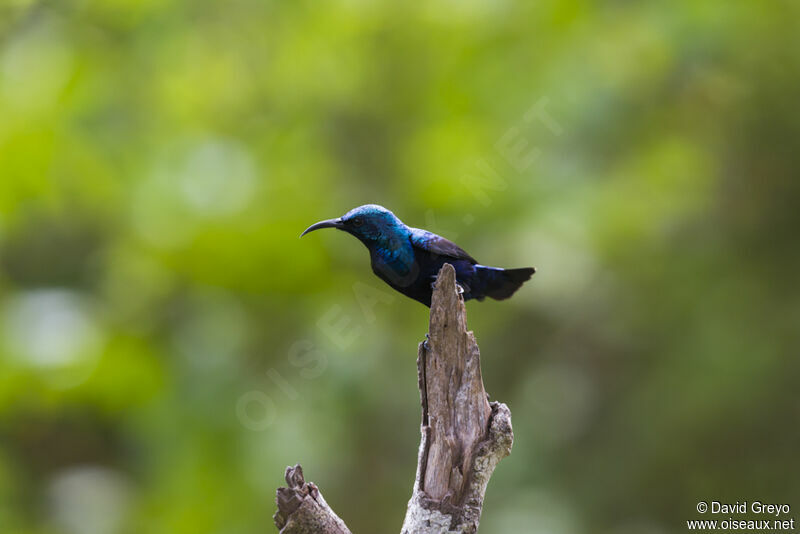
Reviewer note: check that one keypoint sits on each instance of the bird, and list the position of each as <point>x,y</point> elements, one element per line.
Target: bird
<point>409,259</point>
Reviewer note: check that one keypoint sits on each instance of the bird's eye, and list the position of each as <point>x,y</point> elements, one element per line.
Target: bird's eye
<point>357,221</point>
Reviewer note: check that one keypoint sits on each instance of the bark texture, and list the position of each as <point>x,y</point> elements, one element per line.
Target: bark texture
<point>464,436</point>
<point>302,510</point>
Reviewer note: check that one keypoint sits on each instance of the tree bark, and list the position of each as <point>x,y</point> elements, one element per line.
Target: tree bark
<point>302,510</point>
<point>464,436</point>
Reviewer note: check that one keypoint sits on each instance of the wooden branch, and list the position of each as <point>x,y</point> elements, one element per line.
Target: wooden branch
<point>302,510</point>
<point>464,436</point>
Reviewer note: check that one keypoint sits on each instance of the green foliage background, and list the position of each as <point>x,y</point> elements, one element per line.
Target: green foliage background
<point>158,160</point>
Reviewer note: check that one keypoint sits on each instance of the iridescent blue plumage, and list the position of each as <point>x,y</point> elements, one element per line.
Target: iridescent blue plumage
<point>408,259</point>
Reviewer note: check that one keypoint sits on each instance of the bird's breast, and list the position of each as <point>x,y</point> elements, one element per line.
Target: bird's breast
<point>395,264</point>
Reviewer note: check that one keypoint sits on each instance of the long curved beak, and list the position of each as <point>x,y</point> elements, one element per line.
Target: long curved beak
<point>330,223</point>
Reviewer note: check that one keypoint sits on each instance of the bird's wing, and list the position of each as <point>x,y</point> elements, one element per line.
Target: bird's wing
<point>436,244</point>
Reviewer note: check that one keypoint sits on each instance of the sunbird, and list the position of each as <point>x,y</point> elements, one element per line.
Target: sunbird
<point>409,259</point>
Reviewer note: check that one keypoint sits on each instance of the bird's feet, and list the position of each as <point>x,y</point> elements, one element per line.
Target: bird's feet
<point>460,288</point>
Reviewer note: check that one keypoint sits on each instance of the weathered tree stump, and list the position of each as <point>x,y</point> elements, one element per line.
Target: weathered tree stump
<point>301,508</point>
<point>464,436</point>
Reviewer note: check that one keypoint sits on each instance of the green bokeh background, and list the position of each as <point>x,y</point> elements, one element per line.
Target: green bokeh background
<point>158,160</point>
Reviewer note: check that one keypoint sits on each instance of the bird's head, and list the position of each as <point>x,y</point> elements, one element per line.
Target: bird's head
<point>368,223</point>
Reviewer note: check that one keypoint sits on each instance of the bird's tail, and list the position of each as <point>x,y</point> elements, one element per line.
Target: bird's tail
<point>502,283</point>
